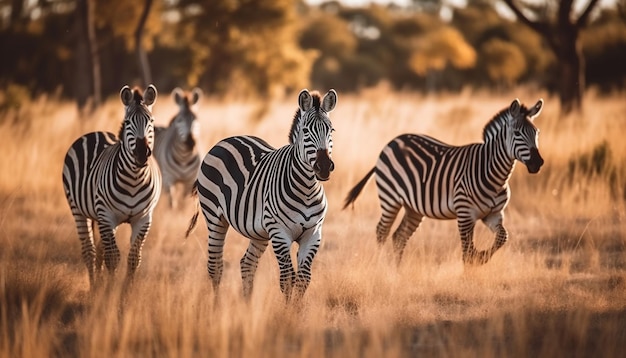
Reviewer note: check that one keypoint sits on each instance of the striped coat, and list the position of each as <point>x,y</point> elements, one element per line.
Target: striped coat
<point>176,147</point>
<point>113,180</point>
<point>427,177</point>
<point>270,195</point>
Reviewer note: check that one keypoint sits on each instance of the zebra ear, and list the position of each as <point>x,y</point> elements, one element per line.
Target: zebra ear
<point>515,107</point>
<point>330,101</point>
<point>196,93</point>
<point>150,95</point>
<point>178,95</point>
<point>305,101</point>
<point>536,110</point>
<point>127,95</point>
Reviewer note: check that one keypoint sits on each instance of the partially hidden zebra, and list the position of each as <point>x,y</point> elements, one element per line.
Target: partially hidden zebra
<point>112,180</point>
<point>175,147</point>
<point>469,183</point>
<point>270,195</point>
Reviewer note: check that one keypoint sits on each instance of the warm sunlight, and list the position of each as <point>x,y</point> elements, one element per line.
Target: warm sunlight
<point>557,287</point>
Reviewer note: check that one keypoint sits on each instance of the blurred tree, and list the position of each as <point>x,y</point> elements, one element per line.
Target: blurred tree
<point>562,33</point>
<point>438,50</point>
<point>144,64</point>
<point>504,62</point>
<point>486,30</point>
<point>604,46</point>
<point>245,47</point>
<point>127,34</point>
<point>334,45</point>
<point>88,82</point>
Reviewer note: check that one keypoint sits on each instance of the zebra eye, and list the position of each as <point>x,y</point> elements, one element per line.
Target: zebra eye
<point>517,133</point>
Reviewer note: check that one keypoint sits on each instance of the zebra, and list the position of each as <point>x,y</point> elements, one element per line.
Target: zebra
<point>175,146</point>
<point>270,195</point>
<point>111,181</point>
<point>429,178</point>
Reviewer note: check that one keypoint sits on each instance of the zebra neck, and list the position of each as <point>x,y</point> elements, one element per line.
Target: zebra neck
<point>126,161</point>
<point>302,175</point>
<point>499,163</point>
<point>181,149</point>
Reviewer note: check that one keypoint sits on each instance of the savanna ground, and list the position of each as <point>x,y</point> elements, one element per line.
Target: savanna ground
<point>557,288</point>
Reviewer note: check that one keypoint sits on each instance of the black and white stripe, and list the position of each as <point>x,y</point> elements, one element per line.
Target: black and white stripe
<point>270,195</point>
<point>113,181</point>
<point>469,183</point>
<point>175,146</point>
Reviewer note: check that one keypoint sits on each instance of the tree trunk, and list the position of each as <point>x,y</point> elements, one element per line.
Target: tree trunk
<point>571,69</point>
<point>142,57</point>
<point>15,17</point>
<point>94,53</point>
<point>563,39</point>
<point>87,90</point>
<point>83,88</point>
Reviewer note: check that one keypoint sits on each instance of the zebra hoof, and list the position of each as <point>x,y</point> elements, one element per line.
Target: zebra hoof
<point>477,258</point>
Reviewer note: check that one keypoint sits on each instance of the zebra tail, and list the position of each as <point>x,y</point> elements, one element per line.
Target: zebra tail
<point>194,218</point>
<point>354,193</point>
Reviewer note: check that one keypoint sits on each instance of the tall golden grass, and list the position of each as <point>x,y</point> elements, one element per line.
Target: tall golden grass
<point>557,288</point>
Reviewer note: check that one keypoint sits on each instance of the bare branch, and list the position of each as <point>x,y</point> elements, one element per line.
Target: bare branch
<point>584,17</point>
<point>565,9</point>
<point>537,26</point>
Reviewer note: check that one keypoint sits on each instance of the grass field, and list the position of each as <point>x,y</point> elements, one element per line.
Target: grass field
<point>557,288</point>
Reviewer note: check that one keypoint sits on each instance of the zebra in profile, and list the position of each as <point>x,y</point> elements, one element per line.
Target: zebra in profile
<point>469,183</point>
<point>270,195</point>
<point>175,146</point>
<point>113,181</point>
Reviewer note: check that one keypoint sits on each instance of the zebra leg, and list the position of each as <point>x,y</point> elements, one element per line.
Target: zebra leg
<point>139,232</point>
<point>167,190</point>
<point>88,249</point>
<point>466,229</point>
<point>308,244</point>
<point>111,251</point>
<point>249,263</point>
<point>281,248</point>
<point>495,223</point>
<point>410,222</point>
<point>217,235</point>
<point>388,216</point>
<point>99,249</point>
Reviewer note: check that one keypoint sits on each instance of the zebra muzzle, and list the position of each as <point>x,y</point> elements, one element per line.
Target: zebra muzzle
<point>535,162</point>
<point>142,150</point>
<point>323,165</point>
<point>190,142</point>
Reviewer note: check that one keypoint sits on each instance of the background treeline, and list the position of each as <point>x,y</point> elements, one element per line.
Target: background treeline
<point>266,48</point>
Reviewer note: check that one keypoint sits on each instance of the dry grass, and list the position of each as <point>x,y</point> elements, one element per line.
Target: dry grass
<point>557,288</point>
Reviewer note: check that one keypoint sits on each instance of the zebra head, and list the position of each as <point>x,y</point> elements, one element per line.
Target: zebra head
<point>137,132</point>
<point>185,121</point>
<point>311,131</point>
<point>524,136</point>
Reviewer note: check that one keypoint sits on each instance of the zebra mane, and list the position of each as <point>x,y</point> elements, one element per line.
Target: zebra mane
<point>138,98</point>
<point>295,125</point>
<point>499,121</point>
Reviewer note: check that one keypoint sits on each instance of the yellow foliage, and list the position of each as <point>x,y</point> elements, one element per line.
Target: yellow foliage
<point>442,47</point>
<point>504,61</point>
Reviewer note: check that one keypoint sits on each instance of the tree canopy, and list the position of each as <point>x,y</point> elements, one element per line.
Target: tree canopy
<point>267,48</point>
